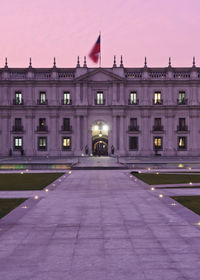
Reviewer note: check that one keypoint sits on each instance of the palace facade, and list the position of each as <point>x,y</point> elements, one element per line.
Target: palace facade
<point>118,110</point>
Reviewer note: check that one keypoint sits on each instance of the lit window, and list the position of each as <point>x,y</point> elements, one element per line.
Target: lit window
<point>158,143</point>
<point>18,143</point>
<point>18,98</point>
<point>42,97</point>
<point>66,98</point>
<point>42,143</point>
<point>157,98</point>
<point>133,98</point>
<point>181,97</point>
<point>182,143</point>
<point>66,143</point>
<point>100,100</point>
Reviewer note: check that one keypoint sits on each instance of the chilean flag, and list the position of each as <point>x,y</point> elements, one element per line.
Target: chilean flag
<point>95,52</point>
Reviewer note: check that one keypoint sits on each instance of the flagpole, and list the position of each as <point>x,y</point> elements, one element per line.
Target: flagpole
<point>100,50</point>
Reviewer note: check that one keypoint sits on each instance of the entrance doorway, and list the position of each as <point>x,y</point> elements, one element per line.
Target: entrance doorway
<point>100,139</point>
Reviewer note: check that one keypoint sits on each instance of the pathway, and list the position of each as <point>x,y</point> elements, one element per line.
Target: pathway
<point>102,225</point>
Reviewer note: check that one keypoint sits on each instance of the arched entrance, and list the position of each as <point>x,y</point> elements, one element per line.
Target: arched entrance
<point>100,139</point>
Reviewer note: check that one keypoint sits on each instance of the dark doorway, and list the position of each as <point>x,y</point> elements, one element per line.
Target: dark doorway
<point>100,147</point>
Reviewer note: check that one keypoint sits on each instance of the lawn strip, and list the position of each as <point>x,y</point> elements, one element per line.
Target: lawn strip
<point>159,179</point>
<point>191,202</point>
<point>184,187</point>
<point>8,204</point>
<point>26,181</point>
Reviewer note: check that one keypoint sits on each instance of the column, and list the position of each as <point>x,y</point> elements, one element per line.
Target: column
<point>121,97</point>
<point>118,132</point>
<point>28,136</point>
<point>52,136</point>
<point>85,134</point>
<point>7,140</point>
<point>114,94</point>
<point>170,140</point>
<point>193,95</point>
<point>78,92</point>
<point>85,100</point>
<point>82,134</point>
<point>114,135</point>
<point>78,150</point>
<point>52,98</point>
<point>193,135</point>
<point>27,96</point>
<point>146,137</point>
<point>121,135</point>
<point>144,100</point>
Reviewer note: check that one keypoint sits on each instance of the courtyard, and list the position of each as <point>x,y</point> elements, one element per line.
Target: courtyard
<point>100,224</point>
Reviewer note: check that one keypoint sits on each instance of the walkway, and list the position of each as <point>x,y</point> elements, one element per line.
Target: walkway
<point>99,225</point>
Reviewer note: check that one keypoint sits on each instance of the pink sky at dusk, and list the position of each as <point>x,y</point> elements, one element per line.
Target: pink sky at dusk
<point>42,29</point>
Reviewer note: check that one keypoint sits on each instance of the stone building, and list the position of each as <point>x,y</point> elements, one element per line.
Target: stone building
<point>118,110</point>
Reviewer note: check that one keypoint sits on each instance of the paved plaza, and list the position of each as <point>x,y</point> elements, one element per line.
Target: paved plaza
<point>102,225</point>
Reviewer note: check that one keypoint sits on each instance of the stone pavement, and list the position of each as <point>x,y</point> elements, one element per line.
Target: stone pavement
<point>102,225</point>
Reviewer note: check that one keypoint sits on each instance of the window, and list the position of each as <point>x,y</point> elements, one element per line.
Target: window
<point>133,98</point>
<point>42,143</point>
<point>18,143</point>
<point>42,122</point>
<point>181,98</point>
<point>66,98</point>
<point>157,98</point>
<point>66,124</point>
<point>18,98</point>
<point>157,125</point>
<point>100,100</point>
<point>158,145</point>
<point>42,99</point>
<point>182,143</point>
<point>133,125</point>
<point>133,121</point>
<point>66,143</point>
<point>182,125</point>
<point>42,125</point>
<point>133,143</point>
<point>18,125</point>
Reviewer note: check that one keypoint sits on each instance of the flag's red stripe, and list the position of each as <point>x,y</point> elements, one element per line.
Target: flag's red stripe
<point>94,54</point>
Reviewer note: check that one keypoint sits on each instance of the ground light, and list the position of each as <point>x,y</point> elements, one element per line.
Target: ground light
<point>173,204</point>
<point>36,197</point>
<point>161,195</point>
<point>70,172</point>
<point>152,189</point>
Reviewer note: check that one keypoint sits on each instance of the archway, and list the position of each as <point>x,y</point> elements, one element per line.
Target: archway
<point>100,139</point>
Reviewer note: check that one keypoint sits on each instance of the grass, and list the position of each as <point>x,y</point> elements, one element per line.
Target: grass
<point>8,204</point>
<point>179,187</point>
<point>191,202</point>
<point>159,179</point>
<point>26,181</point>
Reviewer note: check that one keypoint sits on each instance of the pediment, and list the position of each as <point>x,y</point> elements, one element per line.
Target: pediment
<point>100,75</point>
